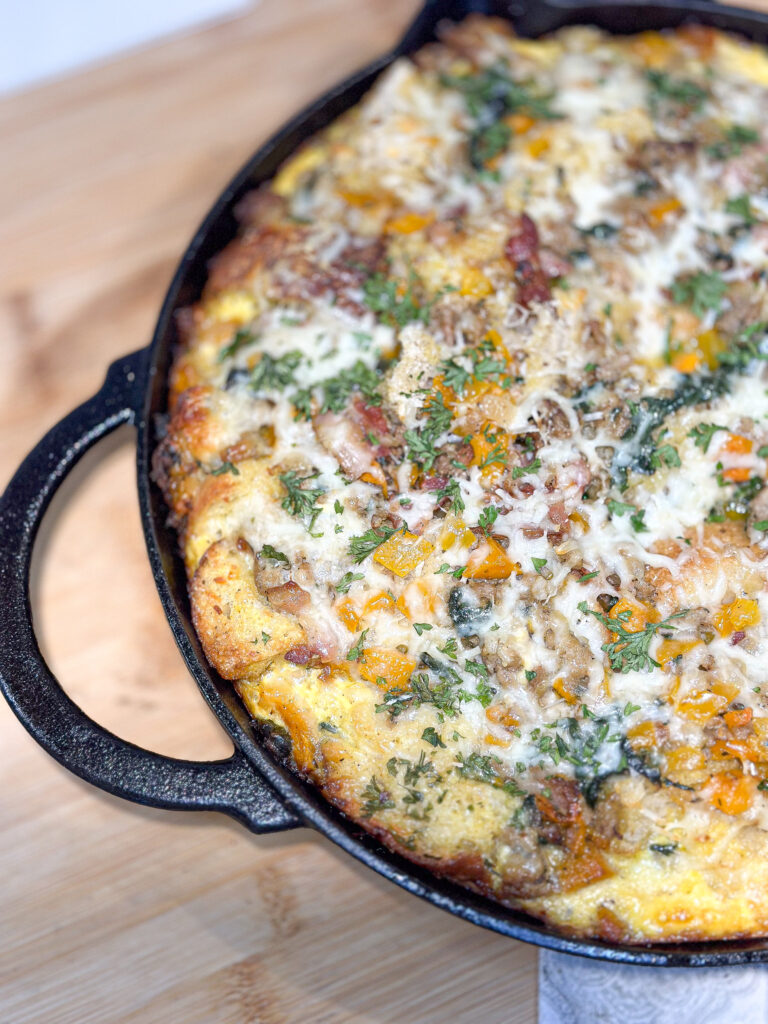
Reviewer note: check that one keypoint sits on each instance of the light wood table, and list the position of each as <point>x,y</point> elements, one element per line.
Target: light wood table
<point>110,912</point>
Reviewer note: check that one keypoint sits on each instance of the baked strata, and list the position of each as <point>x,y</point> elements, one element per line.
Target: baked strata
<point>467,450</point>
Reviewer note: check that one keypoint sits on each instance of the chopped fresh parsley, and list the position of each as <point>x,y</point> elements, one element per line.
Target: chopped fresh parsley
<point>226,467</point>
<point>301,501</point>
<point>271,374</point>
<point>452,490</point>
<point>680,91</point>
<point>457,572</point>
<point>450,648</point>
<point>588,576</point>
<point>703,433</point>
<point>364,545</point>
<point>392,301</point>
<point>355,653</point>
<point>700,291</point>
<point>741,207</point>
<point>620,508</point>
<point>532,467</point>
<point>242,338</point>
<point>630,651</point>
<point>431,736</point>
<point>422,627</point>
<point>735,137</point>
<point>488,517</point>
<point>375,799</point>
<point>422,441</point>
<point>334,392</point>
<point>269,552</point>
<point>665,455</point>
<point>539,564</point>
<point>347,580</point>
<point>746,347</point>
<point>491,95</point>
<point>454,375</point>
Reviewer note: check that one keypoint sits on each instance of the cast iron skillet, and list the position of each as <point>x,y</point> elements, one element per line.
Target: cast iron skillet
<point>255,785</point>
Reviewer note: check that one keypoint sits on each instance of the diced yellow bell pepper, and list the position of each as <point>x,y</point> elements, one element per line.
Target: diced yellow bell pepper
<point>408,223</point>
<point>670,649</point>
<point>700,706</point>
<point>489,561</point>
<point>474,283</point>
<point>348,615</point>
<point>402,553</point>
<point>738,615</point>
<point>455,531</point>
<point>565,694</point>
<point>730,793</point>
<point>386,663</point>
<point>659,212</point>
<point>686,362</point>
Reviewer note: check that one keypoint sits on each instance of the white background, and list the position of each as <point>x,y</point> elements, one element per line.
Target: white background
<point>41,39</point>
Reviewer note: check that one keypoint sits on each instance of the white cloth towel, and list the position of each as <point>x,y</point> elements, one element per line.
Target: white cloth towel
<point>573,990</point>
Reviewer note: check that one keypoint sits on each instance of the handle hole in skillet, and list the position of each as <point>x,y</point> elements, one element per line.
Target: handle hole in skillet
<point>99,621</point>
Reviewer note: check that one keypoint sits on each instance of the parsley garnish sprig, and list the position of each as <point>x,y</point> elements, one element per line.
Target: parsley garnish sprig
<point>301,501</point>
<point>630,651</point>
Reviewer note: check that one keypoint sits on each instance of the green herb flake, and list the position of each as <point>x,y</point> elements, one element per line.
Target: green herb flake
<point>452,490</point>
<point>532,467</point>
<point>679,91</point>
<point>271,374</point>
<point>301,501</point>
<point>269,552</point>
<point>488,517</point>
<point>700,291</point>
<point>347,580</point>
<point>364,545</point>
<point>431,736</point>
<point>375,798</point>
<point>226,467</point>
<point>242,338</point>
<point>355,653</point>
<point>629,652</point>
<point>703,433</point>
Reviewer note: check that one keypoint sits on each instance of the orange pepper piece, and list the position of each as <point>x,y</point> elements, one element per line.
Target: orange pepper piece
<point>489,561</point>
<point>738,444</point>
<point>391,665</point>
<point>402,553</point>
<point>348,615</point>
<point>737,475</point>
<point>701,705</point>
<point>737,615</point>
<point>731,794</point>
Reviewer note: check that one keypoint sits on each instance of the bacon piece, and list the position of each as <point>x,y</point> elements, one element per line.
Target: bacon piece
<point>343,439</point>
<point>523,243</point>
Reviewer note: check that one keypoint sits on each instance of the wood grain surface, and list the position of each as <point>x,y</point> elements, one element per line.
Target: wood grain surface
<point>110,912</point>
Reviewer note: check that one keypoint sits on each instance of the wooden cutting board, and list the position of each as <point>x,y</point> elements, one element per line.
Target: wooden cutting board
<point>110,912</point>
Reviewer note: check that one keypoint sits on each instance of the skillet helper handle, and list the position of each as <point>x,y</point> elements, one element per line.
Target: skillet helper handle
<point>232,786</point>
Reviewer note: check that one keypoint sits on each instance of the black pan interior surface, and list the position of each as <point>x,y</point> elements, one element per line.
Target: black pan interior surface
<point>530,18</point>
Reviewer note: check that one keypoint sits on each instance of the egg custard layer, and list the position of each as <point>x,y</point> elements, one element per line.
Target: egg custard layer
<point>467,453</point>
